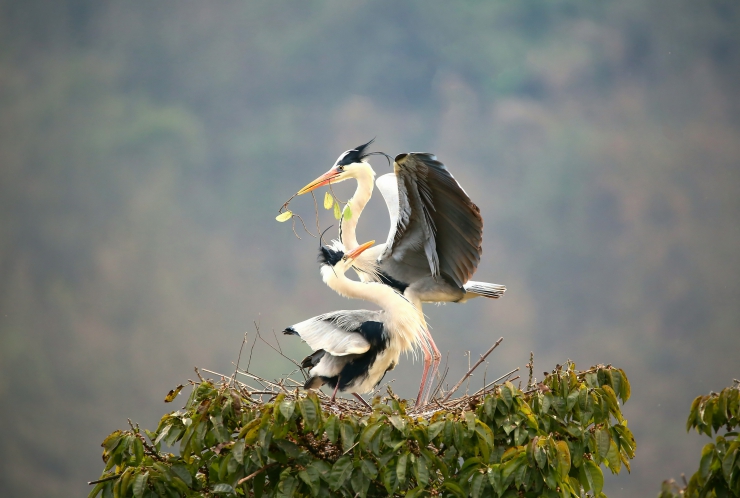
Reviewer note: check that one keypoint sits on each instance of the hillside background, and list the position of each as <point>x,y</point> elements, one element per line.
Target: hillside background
<point>145,148</point>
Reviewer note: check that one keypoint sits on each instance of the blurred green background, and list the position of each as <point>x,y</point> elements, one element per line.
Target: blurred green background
<point>146,146</point>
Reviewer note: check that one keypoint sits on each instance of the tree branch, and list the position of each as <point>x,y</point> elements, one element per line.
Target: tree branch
<point>256,473</point>
<point>477,363</point>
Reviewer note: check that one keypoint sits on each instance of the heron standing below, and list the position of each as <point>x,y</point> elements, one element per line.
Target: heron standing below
<point>353,349</point>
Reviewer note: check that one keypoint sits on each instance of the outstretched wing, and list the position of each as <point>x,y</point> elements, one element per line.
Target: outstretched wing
<point>335,332</point>
<point>435,228</point>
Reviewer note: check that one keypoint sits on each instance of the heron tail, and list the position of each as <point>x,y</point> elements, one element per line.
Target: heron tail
<point>484,289</point>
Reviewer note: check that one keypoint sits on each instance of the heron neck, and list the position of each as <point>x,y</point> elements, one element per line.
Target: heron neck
<point>363,192</point>
<point>406,321</point>
<point>374,292</point>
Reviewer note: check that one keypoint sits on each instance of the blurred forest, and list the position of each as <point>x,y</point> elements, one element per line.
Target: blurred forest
<point>145,148</point>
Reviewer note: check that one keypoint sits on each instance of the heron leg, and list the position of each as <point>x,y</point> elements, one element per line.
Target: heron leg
<point>435,360</point>
<point>334,394</point>
<point>422,385</point>
<point>362,400</point>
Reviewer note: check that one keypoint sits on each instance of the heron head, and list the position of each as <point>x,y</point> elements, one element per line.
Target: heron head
<point>336,257</point>
<point>351,164</point>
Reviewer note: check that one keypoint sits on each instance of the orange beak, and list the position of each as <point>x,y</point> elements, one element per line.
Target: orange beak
<point>326,178</point>
<point>358,250</point>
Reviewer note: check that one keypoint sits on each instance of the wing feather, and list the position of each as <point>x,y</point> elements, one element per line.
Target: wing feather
<point>336,332</point>
<point>435,220</point>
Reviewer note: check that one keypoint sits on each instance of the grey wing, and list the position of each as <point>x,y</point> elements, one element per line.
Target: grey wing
<point>435,228</point>
<point>335,332</point>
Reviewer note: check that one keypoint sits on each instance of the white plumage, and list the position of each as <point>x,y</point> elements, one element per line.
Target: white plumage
<point>354,348</point>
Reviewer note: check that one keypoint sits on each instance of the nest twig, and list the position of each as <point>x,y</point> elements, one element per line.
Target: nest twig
<point>261,390</point>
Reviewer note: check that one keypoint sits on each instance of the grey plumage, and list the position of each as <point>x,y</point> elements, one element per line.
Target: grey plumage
<point>436,230</point>
<point>351,349</point>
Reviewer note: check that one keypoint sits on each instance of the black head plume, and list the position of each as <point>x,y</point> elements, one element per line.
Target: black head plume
<point>387,157</point>
<point>321,237</point>
<point>328,256</point>
<point>354,155</point>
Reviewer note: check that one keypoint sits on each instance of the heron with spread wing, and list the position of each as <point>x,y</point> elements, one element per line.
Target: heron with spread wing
<point>353,349</point>
<point>434,243</point>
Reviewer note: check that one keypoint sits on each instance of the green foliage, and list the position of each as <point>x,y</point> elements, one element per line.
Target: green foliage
<point>719,467</point>
<point>550,441</point>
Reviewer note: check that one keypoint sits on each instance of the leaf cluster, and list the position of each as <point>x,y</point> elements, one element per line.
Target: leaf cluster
<point>331,202</point>
<point>550,441</point>
<point>719,467</point>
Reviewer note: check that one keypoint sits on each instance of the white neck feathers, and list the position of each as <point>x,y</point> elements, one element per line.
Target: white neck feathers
<point>406,324</point>
<point>365,177</point>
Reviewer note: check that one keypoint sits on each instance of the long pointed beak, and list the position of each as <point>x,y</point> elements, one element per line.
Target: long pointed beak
<point>324,179</point>
<point>354,253</point>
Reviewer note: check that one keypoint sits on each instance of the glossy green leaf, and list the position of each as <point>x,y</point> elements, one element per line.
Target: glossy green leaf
<point>470,420</point>
<point>328,201</point>
<point>416,492</point>
<point>360,483</point>
<point>173,394</point>
<point>476,485</point>
<point>398,422</point>
<point>288,485</point>
<point>369,468</point>
<point>138,451</point>
<point>563,455</point>
<point>401,468</point>
<point>287,407</point>
<point>507,393</point>
<point>594,476</point>
<point>613,459</point>
<point>331,428</point>
<point>494,478</point>
<point>390,479</point>
<point>421,470</point>
<point>489,405</point>
<point>509,468</point>
<point>368,433</point>
<point>728,462</point>
<point>347,212</point>
<point>112,441</point>
<point>337,211</point>
<point>139,485</point>
<point>310,475</point>
<point>347,432</point>
<point>290,449</point>
<point>435,429</point>
<point>602,442</point>
<point>454,488</point>
<point>707,455</point>
<point>182,472</point>
<point>308,411</point>
<point>222,488</point>
<point>340,471</point>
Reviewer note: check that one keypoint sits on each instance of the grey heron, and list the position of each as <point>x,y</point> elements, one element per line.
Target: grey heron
<point>353,349</point>
<point>434,243</point>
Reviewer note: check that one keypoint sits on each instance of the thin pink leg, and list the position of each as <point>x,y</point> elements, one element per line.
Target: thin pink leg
<point>334,394</point>
<point>427,362</point>
<point>435,360</point>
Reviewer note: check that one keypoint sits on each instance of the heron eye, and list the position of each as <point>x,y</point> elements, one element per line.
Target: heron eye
<point>340,167</point>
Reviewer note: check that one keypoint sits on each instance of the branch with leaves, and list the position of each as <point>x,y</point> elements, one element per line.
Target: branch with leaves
<point>228,442</point>
<point>719,466</point>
